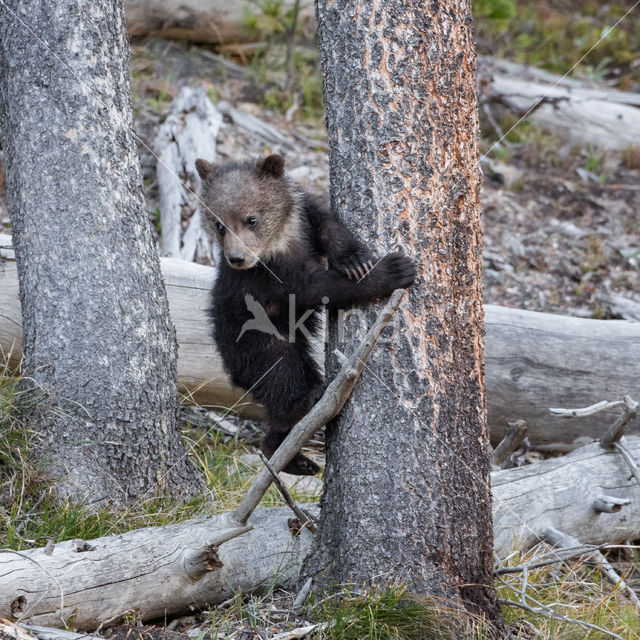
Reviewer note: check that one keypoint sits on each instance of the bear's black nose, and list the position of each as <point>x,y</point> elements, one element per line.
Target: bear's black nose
<point>236,259</point>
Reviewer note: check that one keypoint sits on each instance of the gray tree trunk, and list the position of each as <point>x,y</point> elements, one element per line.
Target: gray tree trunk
<point>407,482</point>
<point>98,340</point>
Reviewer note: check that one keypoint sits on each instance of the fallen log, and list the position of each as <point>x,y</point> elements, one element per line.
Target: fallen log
<point>533,361</point>
<point>162,571</point>
<point>207,21</point>
<point>566,493</point>
<point>602,117</point>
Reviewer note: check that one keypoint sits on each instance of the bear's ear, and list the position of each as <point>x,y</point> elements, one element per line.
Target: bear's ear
<point>272,165</point>
<point>205,168</point>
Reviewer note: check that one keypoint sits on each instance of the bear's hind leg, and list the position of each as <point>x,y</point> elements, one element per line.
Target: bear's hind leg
<point>287,396</point>
<point>299,465</point>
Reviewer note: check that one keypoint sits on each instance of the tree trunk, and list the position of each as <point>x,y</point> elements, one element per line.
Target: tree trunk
<point>407,482</point>
<point>98,340</point>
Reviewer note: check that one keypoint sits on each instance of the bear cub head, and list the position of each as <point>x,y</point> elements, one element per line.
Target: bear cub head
<point>251,207</point>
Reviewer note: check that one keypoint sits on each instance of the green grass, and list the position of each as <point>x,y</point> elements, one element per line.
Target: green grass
<point>30,516</point>
<point>392,613</point>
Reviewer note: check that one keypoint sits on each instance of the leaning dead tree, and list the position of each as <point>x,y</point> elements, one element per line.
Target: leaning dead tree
<point>98,341</point>
<point>188,132</point>
<point>161,571</point>
<point>532,360</point>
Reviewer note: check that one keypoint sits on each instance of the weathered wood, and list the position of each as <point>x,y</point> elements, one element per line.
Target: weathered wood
<point>515,435</point>
<point>610,504</point>
<point>560,492</point>
<point>149,570</point>
<point>533,361</point>
<point>615,431</point>
<point>188,132</point>
<point>601,117</point>
<point>153,570</point>
<point>256,127</point>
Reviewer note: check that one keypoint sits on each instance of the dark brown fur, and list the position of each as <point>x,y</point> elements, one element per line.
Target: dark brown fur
<point>273,239</point>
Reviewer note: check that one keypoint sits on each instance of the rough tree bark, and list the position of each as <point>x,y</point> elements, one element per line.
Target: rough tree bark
<point>98,340</point>
<point>407,483</point>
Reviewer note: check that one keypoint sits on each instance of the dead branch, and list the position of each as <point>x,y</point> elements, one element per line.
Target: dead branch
<point>541,610</point>
<point>306,520</point>
<point>514,436</point>
<point>615,431</point>
<point>334,397</point>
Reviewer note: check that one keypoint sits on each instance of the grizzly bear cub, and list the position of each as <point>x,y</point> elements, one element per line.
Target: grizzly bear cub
<point>273,238</point>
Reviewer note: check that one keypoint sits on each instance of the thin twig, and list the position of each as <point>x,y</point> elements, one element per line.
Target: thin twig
<point>561,556</point>
<point>306,519</point>
<point>329,405</point>
<point>549,613</point>
<point>300,632</point>
<point>562,541</point>
<point>615,431</point>
<point>586,411</point>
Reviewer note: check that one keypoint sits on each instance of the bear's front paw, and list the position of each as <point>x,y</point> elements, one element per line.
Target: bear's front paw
<point>354,263</point>
<point>396,272</point>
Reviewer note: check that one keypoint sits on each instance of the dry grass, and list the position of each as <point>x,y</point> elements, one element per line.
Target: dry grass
<point>573,590</point>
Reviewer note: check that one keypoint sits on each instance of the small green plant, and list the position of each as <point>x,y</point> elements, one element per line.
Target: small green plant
<point>593,161</point>
<point>392,613</point>
<point>494,9</point>
<point>157,222</point>
<point>213,94</point>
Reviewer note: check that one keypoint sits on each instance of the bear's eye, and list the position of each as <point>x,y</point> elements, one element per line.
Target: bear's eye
<point>252,221</point>
<point>220,227</point>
